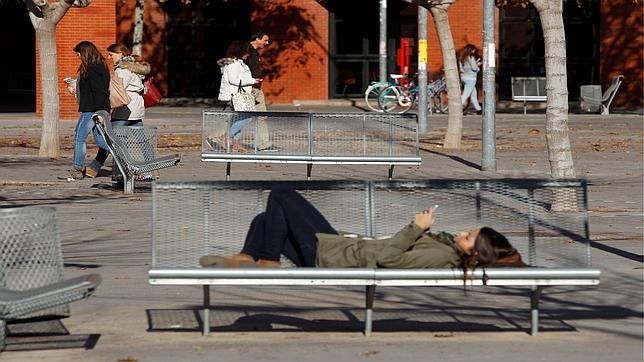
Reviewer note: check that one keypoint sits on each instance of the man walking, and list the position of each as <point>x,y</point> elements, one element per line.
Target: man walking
<point>258,40</point>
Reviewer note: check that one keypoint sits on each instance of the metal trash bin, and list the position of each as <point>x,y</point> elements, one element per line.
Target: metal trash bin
<point>31,255</point>
<point>592,92</point>
<point>141,142</point>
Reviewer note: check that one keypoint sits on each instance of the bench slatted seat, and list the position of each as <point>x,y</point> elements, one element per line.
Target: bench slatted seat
<point>313,138</point>
<point>128,165</point>
<point>546,220</point>
<point>31,265</point>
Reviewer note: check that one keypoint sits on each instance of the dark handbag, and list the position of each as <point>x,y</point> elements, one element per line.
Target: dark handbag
<point>151,94</point>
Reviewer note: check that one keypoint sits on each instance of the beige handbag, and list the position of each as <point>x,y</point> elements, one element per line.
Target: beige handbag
<point>118,94</point>
<point>242,101</point>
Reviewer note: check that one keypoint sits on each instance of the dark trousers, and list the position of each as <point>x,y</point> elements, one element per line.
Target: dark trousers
<point>102,154</point>
<point>287,227</point>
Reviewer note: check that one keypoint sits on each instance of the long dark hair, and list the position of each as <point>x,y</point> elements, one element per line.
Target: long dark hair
<point>89,55</point>
<point>490,248</point>
<point>468,51</point>
<point>237,49</point>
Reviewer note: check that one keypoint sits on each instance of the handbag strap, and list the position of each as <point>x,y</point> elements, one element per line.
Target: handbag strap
<point>240,89</point>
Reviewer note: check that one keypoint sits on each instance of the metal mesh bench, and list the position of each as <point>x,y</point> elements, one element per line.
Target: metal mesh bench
<point>528,89</point>
<point>31,268</point>
<point>141,143</point>
<point>192,219</point>
<point>591,101</point>
<point>311,138</point>
<point>128,164</point>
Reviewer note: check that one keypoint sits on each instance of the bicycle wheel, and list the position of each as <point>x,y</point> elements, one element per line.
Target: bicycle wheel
<point>371,96</point>
<point>405,100</point>
<point>394,99</point>
<point>388,98</point>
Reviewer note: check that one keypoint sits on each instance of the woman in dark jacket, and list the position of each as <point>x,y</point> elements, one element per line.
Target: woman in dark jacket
<point>293,227</point>
<point>92,89</point>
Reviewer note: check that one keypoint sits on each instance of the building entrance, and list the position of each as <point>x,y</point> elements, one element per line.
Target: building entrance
<point>198,34</point>
<point>521,46</point>
<point>18,63</point>
<point>354,39</point>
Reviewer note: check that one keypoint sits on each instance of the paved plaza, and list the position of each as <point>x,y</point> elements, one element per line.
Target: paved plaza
<point>106,232</point>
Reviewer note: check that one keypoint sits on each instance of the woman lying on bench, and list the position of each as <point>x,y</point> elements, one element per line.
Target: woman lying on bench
<point>295,228</point>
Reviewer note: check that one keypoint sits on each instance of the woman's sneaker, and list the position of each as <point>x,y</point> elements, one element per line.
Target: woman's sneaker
<point>72,175</point>
<point>271,148</point>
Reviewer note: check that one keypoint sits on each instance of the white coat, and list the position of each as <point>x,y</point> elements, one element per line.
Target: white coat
<point>234,71</point>
<point>134,86</point>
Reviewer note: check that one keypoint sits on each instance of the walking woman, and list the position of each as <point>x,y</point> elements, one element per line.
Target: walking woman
<point>295,228</point>
<point>132,71</point>
<point>92,90</point>
<point>235,76</point>
<point>469,65</point>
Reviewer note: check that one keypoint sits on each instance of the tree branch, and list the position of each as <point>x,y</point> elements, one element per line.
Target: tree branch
<point>431,3</point>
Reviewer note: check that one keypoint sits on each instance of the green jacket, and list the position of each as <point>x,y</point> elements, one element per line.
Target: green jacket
<point>411,247</point>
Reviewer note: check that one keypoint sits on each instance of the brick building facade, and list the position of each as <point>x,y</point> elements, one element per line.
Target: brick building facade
<point>184,43</point>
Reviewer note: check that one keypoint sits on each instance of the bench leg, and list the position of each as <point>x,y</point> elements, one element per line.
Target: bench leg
<point>128,184</point>
<point>3,334</point>
<point>525,104</point>
<point>227,171</point>
<point>368,321</point>
<point>535,293</point>
<point>309,167</point>
<point>206,310</point>
<point>391,172</point>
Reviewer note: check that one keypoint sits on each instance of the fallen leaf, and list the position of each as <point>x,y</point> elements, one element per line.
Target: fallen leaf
<point>534,131</point>
<point>369,353</point>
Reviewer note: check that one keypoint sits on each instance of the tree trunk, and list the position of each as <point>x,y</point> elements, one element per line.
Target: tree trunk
<point>137,40</point>
<point>44,23</point>
<point>455,115</point>
<point>557,139</point>
<point>46,35</point>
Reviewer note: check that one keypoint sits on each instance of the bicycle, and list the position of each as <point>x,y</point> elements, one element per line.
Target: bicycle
<point>373,91</point>
<point>400,99</point>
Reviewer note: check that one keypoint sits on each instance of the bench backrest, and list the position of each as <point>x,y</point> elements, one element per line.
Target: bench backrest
<point>331,137</point>
<point>31,255</point>
<point>528,88</point>
<point>545,220</point>
<point>610,93</point>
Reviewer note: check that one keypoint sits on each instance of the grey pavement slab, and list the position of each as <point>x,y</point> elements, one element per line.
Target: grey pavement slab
<point>106,232</point>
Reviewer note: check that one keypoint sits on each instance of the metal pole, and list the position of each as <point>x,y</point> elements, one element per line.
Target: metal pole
<point>422,70</point>
<point>488,128</point>
<point>382,59</point>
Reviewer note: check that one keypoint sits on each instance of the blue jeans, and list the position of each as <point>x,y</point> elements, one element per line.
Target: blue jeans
<point>236,126</point>
<point>84,126</point>
<point>469,91</point>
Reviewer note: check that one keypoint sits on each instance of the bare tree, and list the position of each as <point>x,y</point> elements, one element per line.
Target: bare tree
<point>44,17</point>
<point>137,40</point>
<point>557,135</point>
<point>438,9</point>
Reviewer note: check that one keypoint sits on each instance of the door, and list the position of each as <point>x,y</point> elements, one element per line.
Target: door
<point>198,34</point>
<point>354,38</point>
<point>521,48</point>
